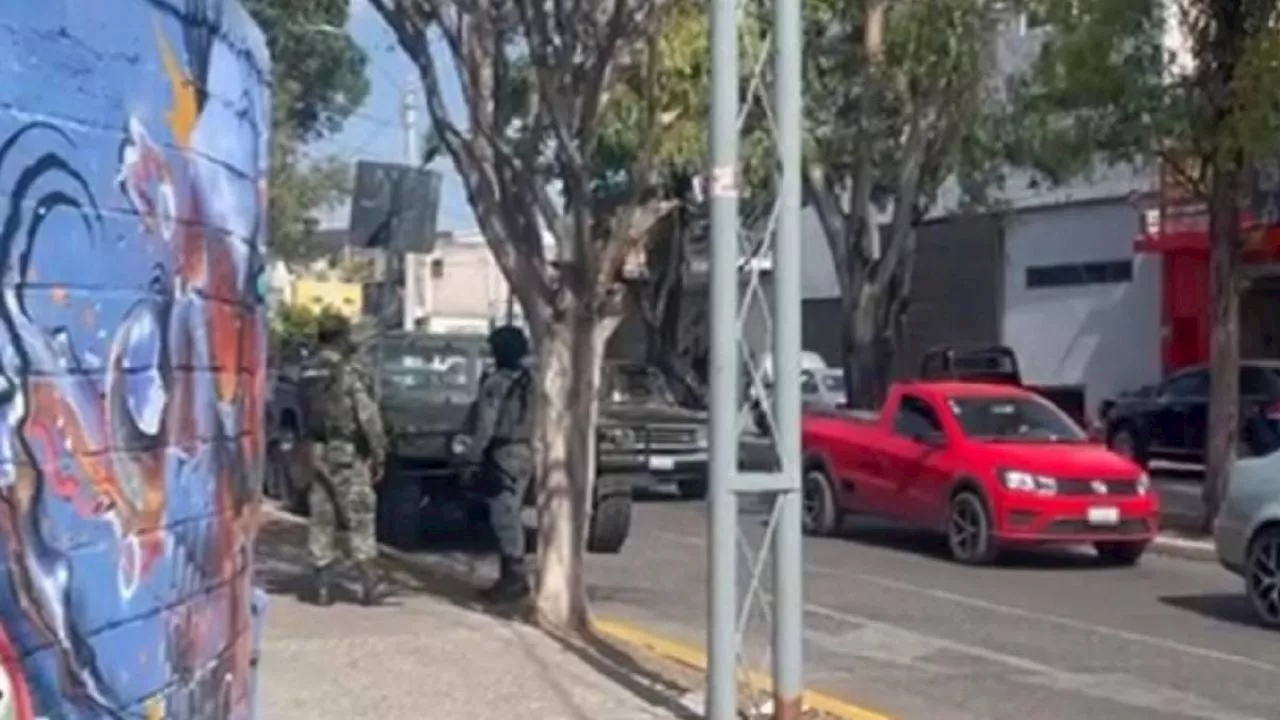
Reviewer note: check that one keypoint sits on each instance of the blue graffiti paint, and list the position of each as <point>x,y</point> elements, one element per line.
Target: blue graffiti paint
<point>133,150</point>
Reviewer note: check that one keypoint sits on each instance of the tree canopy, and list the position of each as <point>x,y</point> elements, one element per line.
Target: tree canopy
<point>319,78</point>
<point>899,98</point>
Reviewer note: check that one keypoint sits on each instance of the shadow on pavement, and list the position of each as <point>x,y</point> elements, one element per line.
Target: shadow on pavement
<point>897,538</point>
<point>1223,607</point>
<point>282,567</point>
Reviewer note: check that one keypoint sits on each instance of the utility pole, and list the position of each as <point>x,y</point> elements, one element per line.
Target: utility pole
<point>727,479</point>
<point>409,306</point>
<point>722,600</point>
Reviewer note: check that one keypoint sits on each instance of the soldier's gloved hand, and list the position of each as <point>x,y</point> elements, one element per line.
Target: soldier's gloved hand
<point>377,469</point>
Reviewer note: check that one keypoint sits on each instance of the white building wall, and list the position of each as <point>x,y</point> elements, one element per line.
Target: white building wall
<point>1105,336</point>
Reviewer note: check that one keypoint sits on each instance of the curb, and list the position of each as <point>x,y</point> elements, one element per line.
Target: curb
<point>695,659</point>
<point>1184,549</point>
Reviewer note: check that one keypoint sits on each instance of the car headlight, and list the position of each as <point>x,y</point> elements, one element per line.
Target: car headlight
<point>1020,481</point>
<point>1144,484</point>
<point>459,444</point>
<point>618,436</point>
<point>700,437</point>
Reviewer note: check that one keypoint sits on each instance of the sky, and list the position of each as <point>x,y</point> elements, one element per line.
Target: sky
<point>376,131</point>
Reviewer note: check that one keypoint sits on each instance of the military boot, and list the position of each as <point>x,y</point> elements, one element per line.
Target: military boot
<point>372,589</point>
<point>322,586</point>
<point>512,584</point>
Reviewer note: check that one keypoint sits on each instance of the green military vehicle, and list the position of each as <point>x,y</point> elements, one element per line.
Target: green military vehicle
<point>426,383</point>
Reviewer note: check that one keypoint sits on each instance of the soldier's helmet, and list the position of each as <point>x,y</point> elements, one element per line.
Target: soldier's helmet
<point>509,345</point>
<point>333,330</point>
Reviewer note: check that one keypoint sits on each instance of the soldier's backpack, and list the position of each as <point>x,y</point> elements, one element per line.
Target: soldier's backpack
<point>328,412</point>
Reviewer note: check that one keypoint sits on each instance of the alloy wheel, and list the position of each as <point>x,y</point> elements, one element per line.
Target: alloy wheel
<point>967,527</point>
<point>1263,578</point>
<point>814,499</point>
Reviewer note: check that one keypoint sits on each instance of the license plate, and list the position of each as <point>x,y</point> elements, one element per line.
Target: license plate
<point>662,463</point>
<point>1103,516</point>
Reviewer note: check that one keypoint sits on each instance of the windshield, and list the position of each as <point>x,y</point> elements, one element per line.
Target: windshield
<point>1013,419</point>
<point>426,367</point>
<point>634,384</point>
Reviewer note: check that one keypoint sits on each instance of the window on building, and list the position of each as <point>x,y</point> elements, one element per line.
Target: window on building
<point>1095,273</point>
<point>437,268</point>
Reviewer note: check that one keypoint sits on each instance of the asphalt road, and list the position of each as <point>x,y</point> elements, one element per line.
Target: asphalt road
<point>893,626</point>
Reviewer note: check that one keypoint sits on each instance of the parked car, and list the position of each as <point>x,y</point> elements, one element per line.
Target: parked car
<point>1246,533</point>
<point>1170,420</point>
<point>989,465</point>
<point>641,420</point>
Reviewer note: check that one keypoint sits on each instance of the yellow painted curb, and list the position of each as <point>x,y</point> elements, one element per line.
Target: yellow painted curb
<point>695,658</point>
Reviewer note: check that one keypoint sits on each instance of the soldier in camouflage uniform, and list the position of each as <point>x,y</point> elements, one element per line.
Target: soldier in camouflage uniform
<point>348,449</point>
<point>500,445</point>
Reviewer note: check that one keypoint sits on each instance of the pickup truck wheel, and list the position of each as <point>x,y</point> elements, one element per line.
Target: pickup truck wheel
<point>1120,554</point>
<point>610,524</point>
<point>821,514</point>
<point>969,530</point>
<point>400,512</point>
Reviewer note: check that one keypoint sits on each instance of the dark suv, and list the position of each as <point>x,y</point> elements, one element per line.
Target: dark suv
<point>1170,420</point>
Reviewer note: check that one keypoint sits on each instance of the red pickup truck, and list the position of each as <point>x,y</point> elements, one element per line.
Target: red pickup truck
<point>990,465</point>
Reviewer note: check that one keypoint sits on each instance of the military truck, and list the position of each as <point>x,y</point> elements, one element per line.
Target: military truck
<point>426,383</point>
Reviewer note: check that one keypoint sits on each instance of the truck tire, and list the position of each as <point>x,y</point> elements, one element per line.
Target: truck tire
<point>399,512</point>
<point>822,515</point>
<point>969,530</point>
<point>610,524</point>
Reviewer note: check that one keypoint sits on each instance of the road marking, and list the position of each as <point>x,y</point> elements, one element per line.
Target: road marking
<point>1121,688</point>
<point>973,602</point>
<point>695,658</point>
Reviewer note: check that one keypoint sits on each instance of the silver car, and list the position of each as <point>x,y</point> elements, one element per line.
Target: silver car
<point>1247,533</point>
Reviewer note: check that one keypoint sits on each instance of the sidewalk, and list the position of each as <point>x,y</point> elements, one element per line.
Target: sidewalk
<point>423,654</point>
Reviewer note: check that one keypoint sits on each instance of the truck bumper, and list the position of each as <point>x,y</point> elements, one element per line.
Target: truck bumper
<point>675,466</point>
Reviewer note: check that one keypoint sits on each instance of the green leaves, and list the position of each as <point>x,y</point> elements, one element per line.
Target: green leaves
<point>936,60</point>
<point>681,96</point>
<point>1110,86</point>
<point>1098,91</point>
<point>318,80</point>
<point>319,73</point>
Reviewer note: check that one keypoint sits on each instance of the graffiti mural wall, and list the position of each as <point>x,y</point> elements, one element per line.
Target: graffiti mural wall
<point>133,144</point>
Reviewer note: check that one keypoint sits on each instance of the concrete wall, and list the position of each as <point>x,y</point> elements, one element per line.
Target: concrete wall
<point>133,145</point>
<point>1104,335</point>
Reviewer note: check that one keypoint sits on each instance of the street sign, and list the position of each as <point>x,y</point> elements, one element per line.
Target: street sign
<point>395,206</point>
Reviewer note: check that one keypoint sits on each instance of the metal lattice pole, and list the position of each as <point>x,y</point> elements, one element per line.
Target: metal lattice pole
<point>728,625</point>
<point>722,699</point>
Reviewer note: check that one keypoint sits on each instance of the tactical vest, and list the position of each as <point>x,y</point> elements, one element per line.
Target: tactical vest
<point>329,411</point>
<point>514,421</point>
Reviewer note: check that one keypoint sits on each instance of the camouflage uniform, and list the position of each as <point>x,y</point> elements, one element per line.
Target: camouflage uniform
<point>500,444</point>
<point>341,495</point>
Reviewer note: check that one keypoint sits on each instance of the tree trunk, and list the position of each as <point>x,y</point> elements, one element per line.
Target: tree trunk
<point>570,354</point>
<point>861,359</point>
<point>1224,353</point>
